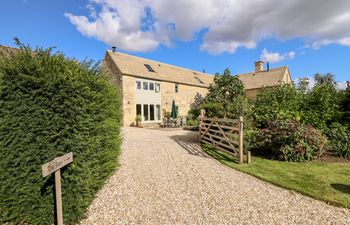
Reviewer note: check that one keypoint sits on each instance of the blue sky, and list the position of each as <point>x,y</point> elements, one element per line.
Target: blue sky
<point>164,32</point>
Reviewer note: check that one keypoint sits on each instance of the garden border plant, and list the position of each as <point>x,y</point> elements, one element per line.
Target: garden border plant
<point>292,123</point>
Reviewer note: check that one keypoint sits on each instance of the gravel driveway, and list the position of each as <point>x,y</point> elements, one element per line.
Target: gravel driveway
<point>165,178</point>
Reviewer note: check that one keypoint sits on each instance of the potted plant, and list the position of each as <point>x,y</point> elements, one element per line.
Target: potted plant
<point>138,120</point>
<point>166,114</point>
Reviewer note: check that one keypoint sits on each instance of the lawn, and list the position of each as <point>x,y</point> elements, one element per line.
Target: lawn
<point>329,182</point>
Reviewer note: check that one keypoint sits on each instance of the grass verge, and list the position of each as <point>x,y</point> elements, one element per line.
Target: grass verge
<point>329,182</point>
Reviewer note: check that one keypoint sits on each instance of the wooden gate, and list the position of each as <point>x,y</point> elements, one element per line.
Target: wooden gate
<point>223,134</point>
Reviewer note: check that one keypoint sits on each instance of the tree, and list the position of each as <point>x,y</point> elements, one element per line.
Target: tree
<point>280,102</point>
<point>303,84</point>
<point>321,79</point>
<point>226,97</point>
<point>345,107</point>
<point>225,89</point>
<point>321,105</point>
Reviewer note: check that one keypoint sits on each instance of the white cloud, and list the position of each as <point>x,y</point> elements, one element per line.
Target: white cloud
<point>344,41</point>
<point>117,29</point>
<point>227,24</point>
<point>342,85</point>
<point>273,57</point>
<point>291,55</point>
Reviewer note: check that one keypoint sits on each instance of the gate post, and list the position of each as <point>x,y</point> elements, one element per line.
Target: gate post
<point>201,118</point>
<point>240,147</point>
<point>202,113</point>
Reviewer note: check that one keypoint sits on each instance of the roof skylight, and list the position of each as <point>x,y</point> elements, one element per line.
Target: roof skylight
<point>199,80</point>
<point>150,69</point>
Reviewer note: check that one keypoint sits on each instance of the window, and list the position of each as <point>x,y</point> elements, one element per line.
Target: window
<point>138,109</point>
<point>145,112</point>
<point>138,85</point>
<point>151,86</point>
<point>176,88</point>
<point>151,112</point>
<point>145,85</point>
<point>157,87</point>
<point>158,112</point>
<point>150,69</point>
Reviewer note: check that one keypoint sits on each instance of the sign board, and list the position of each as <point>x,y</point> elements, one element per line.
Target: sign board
<point>57,164</point>
<point>54,166</point>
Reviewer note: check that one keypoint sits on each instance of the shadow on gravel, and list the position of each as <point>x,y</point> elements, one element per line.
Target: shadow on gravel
<point>190,142</point>
<point>345,188</point>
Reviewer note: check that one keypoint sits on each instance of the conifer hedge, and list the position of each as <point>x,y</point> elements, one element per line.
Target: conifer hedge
<point>51,105</point>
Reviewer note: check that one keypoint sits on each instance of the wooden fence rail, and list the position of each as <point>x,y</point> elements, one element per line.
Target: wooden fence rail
<point>223,134</point>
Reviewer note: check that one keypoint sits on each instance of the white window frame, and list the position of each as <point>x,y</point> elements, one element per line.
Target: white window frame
<point>157,87</point>
<point>151,84</point>
<point>145,85</point>
<point>158,112</point>
<point>138,85</point>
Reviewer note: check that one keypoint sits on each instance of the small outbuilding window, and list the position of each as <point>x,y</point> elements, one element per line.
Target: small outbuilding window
<point>176,88</point>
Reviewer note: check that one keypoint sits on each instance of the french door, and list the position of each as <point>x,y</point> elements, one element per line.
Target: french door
<point>148,112</point>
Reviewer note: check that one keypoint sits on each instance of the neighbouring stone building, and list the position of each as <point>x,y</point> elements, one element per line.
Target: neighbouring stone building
<point>149,87</point>
<point>260,77</point>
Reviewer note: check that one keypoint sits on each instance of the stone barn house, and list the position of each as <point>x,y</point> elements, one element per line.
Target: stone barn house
<point>149,87</point>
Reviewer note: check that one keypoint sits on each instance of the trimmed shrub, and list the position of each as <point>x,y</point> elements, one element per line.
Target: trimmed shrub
<point>291,141</point>
<point>51,105</point>
<point>339,143</point>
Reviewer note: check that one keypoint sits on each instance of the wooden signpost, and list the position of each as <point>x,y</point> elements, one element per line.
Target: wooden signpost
<point>55,166</point>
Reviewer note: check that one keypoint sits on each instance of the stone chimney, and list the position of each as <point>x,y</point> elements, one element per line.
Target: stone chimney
<point>259,66</point>
<point>114,49</point>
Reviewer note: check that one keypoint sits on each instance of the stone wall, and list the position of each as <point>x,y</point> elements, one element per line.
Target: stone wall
<point>113,73</point>
<point>183,99</point>
<point>252,93</point>
<point>129,100</point>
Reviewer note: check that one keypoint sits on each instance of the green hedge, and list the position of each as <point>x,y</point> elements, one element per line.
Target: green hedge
<point>51,105</point>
